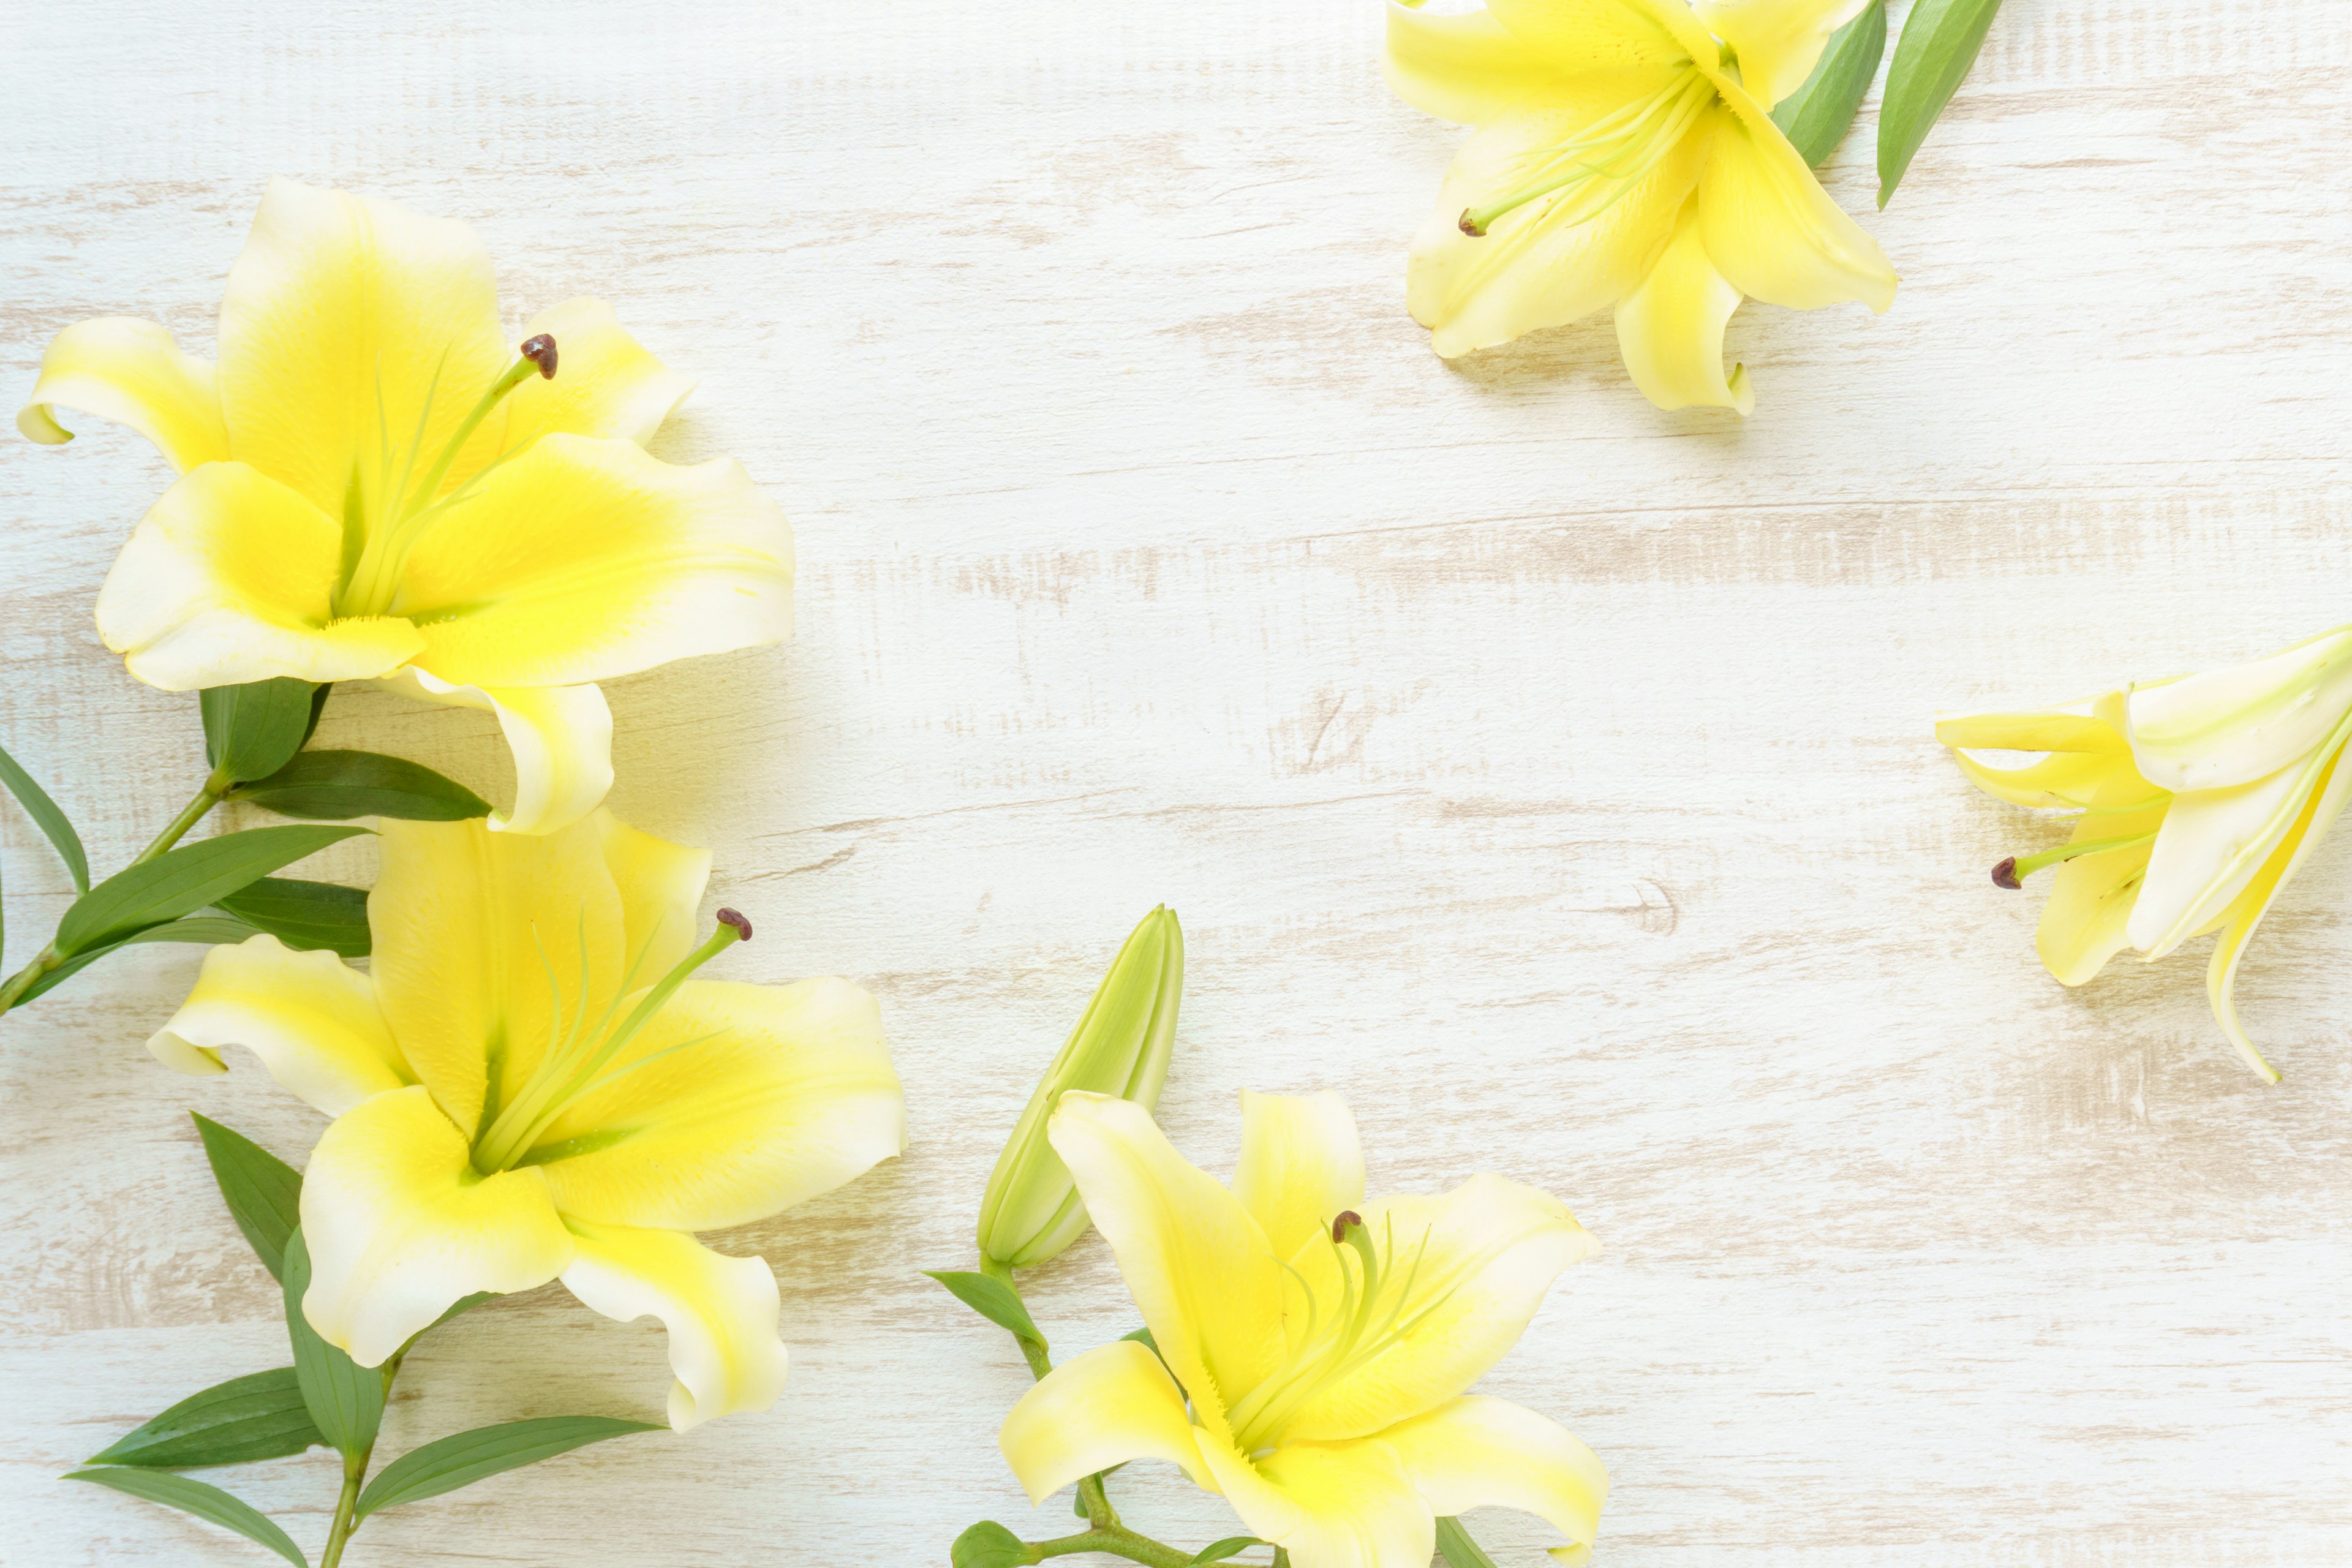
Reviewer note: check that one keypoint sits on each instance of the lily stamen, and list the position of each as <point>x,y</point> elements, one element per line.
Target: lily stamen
<point>2010,873</point>
<point>1640,132</point>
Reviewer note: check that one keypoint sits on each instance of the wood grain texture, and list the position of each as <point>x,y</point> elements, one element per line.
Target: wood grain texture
<point>1550,773</point>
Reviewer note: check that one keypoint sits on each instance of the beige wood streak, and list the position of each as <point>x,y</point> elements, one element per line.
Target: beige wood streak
<point>1549,773</point>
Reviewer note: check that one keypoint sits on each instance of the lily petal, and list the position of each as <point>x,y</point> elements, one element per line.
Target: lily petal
<point>400,1226</point>
<point>1301,1165</point>
<point>1476,1452</point>
<point>1669,329</point>
<point>661,885</point>
<point>2221,973</point>
<point>1463,65</point>
<point>734,1103</point>
<point>309,1017</point>
<point>561,738</point>
<point>129,370</point>
<point>2214,842</point>
<point>582,560</point>
<point>720,1312</point>
<point>1779,41</point>
<point>487,947</point>
<point>1193,1259</point>
<point>1103,1408</point>
<point>1464,1273</point>
<point>2232,726</point>
<point>1603,35</point>
<point>1547,262</point>
<point>2087,919</point>
<point>1768,226</point>
<point>606,384</point>
<point>355,338</point>
<point>228,579</point>
<point>1330,1505</point>
<point>2062,778</point>
<point>2093,725</point>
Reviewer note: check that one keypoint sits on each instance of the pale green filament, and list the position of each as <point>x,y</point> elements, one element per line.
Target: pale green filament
<point>2027,865</point>
<point>1600,165</point>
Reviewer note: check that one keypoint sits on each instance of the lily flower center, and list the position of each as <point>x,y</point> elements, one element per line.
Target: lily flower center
<point>1373,1311</point>
<point>1590,172</point>
<point>2013,872</point>
<point>579,1062</point>
<point>378,530</point>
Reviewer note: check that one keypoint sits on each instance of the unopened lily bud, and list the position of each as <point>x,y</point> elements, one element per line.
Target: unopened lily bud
<point>1122,1047</point>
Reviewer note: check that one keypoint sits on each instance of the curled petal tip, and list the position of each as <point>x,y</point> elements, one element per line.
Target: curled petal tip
<point>731,917</point>
<point>2005,875</point>
<point>540,350</point>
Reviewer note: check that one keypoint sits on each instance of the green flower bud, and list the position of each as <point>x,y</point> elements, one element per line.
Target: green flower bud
<point>1120,1046</point>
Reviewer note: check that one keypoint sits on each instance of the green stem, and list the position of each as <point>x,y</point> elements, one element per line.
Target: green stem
<point>1116,1541</point>
<point>16,984</point>
<point>347,1522</point>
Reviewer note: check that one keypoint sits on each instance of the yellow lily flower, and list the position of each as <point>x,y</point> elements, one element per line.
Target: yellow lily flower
<point>2197,799</point>
<point>1626,156</point>
<point>1323,1342</point>
<point>375,486</point>
<point>527,1086</point>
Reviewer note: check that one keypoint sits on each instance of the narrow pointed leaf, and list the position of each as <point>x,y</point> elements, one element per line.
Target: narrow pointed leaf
<point>250,731</point>
<point>211,930</point>
<point>453,1462</point>
<point>987,1545</point>
<point>1815,116</point>
<point>335,786</point>
<point>1453,1543</point>
<point>204,1500</point>
<point>264,1193</point>
<point>1940,43</point>
<point>184,880</point>
<point>1230,1546</point>
<point>260,1417</point>
<point>305,914</point>
<point>345,1399</point>
<point>992,1298</point>
<point>48,819</point>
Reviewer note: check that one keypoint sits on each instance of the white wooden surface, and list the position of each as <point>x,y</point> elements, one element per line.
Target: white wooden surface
<point>1550,773</point>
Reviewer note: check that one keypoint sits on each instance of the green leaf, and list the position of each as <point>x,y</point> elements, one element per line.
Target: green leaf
<point>202,1498</point>
<point>48,818</point>
<point>1230,1546</point>
<point>1815,116</point>
<point>345,1399</point>
<point>264,1193</point>
<point>304,914</point>
<point>261,1417</point>
<point>992,1298</point>
<point>1940,43</point>
<point>185,880</point>
<point>1453,1544</point>
<point>987,1545</point>
<point>338,786</point>
<point>211,930</point>
<point>251,729</point>
<point>319,696</point>
<point>469,1457</point>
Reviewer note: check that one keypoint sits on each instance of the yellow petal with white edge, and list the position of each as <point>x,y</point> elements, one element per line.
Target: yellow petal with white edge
<point>1330,1505</point>
<point>1476,1452</point>
<point>561,738</point>
<point>2093,725</point>
<point>581,560</point>
<point>309,1017</point>
<point>1768,226</point>
<point>129,370</point>
<point>1461,1275</point>
<point>2087,919</point>
<point>720,1312</point>
<point>661,885</point>
<point>2213,843</point>
<point>733,1103</point>
<point>605,383</point>
<point>1602,34</point>
<point>1560,256</point>
<point>2233,726</point>
<point>400,1226</point>
<point>1301,1165</point>
<point>1103,1408</point>
<point>1669,329</point>
<point>489,945</point>
<point>2059,778</point>
<point>2221,973</point>
<point>227,579</point>
<point>355,338</point>
<point>1463,65</point>
<point>1779,41</point>
<point>1196,1261</point>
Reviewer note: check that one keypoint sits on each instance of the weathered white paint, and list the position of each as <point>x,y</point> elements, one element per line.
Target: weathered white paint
<point>1550,773</point>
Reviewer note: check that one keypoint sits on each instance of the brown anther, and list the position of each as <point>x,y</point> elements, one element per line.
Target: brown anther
<point>1470,229</point>
<point>1340,1225</point>
<point>540,350</point>
<point>742,927</point>
<point>2005,875</point>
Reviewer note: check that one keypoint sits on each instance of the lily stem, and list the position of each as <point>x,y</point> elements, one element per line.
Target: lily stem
<point>1116,1541</point>
<point>347,1506</point>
